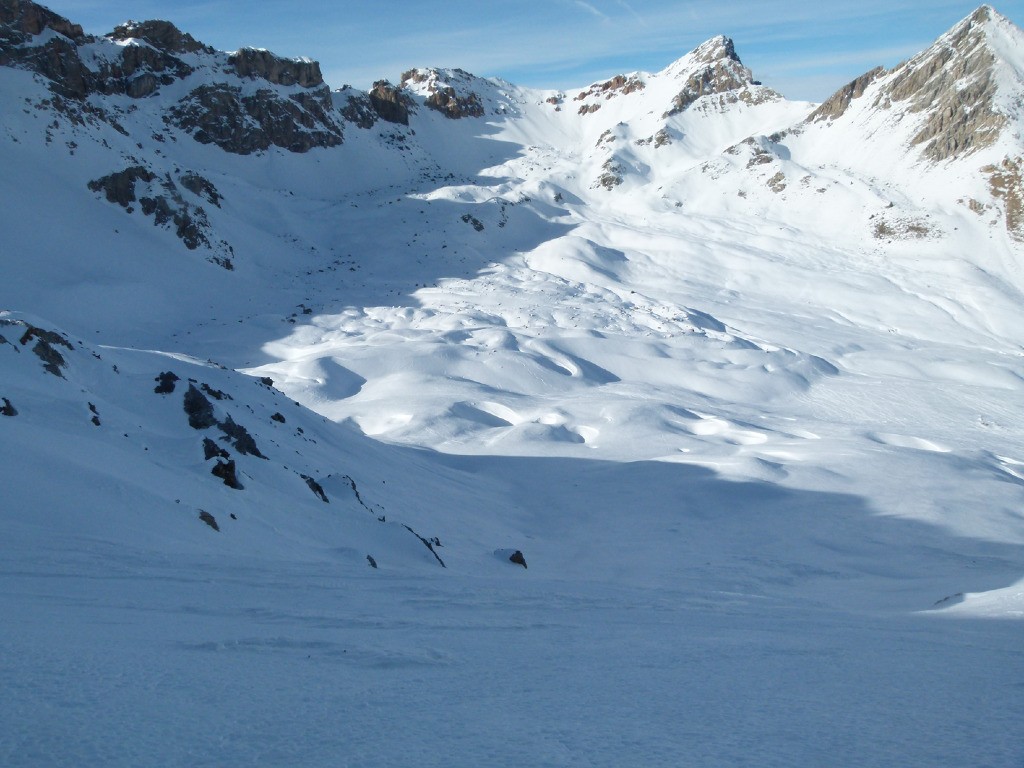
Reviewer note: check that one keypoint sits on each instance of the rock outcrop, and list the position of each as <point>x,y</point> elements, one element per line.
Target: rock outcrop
<point>446,101</point>
<point>56,57</point>
<point>837,104</point>
<point>137,70</point>
<point>119,187</point>
<point>162,35</point>
<point>45,348</point>
<point>242,124</point>
<point>443,96</point>
<point>261,64</point>
<point>198,409</point>
<point>29,19</point>
<point>616,86</point>
<point>142,69</point>
<point>1006,183</point>
<point>161,198</point>
<point>389,102</point>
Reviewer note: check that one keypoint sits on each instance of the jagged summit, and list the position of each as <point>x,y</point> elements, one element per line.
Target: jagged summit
<point>713,67</point>
<point>717,48</point>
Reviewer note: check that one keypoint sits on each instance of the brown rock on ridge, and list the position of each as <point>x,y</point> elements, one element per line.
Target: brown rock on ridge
<point>160,34</point>
<point>389,102</point>
<point>258,63</point>
<point>837,104</point>
<point>31,19</point>
<point>451,105</point>
<point>620,84</point>
<point>443,97</point>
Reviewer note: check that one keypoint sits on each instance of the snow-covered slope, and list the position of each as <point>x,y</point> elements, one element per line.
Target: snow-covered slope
<point>739,378</point>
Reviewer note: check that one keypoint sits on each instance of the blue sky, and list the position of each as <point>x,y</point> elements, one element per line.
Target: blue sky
<point>805,50</point>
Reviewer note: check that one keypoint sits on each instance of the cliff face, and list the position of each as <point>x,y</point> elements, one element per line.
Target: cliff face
<point>26,19</point>
<point>257,63</point>
<point>953,84</point>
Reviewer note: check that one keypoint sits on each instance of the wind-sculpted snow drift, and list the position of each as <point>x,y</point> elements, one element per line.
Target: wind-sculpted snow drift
<point>294,382</point>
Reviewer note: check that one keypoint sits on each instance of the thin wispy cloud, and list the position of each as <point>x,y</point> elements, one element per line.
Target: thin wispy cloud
<point>590,9</point>
<point>631,11</point>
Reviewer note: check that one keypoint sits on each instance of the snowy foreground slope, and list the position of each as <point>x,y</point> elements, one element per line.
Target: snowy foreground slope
<point>289,376</point>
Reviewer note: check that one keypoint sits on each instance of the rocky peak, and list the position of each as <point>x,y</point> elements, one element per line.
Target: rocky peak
<point>162,35</point>
<point>719,48</point>
<point>954,86</point>
<point>259,63</point>
<point>711,68</point>
<point>28,18</point>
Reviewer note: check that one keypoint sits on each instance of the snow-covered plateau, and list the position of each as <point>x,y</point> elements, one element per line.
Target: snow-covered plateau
<point>660,421</point>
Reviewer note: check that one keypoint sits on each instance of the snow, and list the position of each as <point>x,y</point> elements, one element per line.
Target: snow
<point>765,466</point>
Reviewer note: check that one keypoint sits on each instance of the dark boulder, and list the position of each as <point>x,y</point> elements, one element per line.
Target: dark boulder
<point>165,383</point>
<point>119,187</point>
<point>241,438</point>
<point>213,451</point>
<point>225,470</point>
<point>316,488</point>
<point>199,409</point>
<point>44,349</point>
